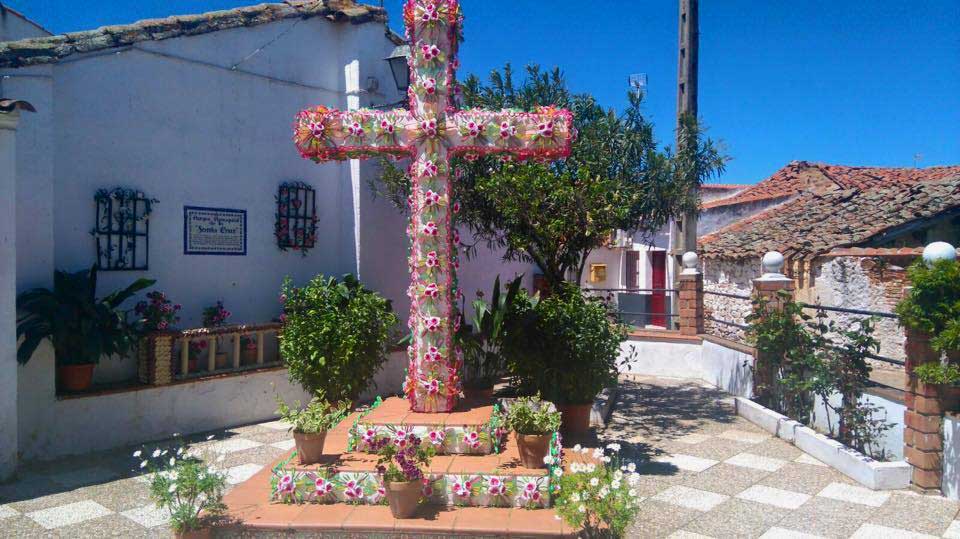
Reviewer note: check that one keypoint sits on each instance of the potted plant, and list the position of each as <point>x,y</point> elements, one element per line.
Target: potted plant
<point>157,313</point>
<point>564,347</point>
<point>310,425</point>
<point>335,336</point>
<point>248,349</point>
<point>81,327</point>
<point>401,466</point>
<point>216,316</point>
<point>483,362</point>
<point>198,351</point>
<point>930,312</point>
<point>533,421</point>
<point>187,488</point>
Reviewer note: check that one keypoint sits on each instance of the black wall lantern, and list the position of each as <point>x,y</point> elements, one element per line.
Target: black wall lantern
<point>398,65</point>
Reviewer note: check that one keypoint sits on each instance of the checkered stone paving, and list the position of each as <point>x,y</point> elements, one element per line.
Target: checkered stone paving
<point>708,473</point>
<point>105,494</point>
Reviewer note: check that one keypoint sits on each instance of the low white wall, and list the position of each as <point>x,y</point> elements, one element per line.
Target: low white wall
<point>661,358</point>
<point>951,457</point>
<point>891,441</point>
<point>726,368</point>
<point>51,427</point>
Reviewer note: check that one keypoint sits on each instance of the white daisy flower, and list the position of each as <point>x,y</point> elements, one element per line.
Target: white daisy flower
<point>156,453</point>
<point>137,453</point>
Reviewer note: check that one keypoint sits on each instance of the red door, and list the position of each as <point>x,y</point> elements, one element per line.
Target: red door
<point>658,299</point>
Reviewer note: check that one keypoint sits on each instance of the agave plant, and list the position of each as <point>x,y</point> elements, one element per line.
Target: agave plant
<point>482,356</point>
<point>81,327</point>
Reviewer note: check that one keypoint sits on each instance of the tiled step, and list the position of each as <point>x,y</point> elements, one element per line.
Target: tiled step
<point>473,428</point>
<point>497,480</point>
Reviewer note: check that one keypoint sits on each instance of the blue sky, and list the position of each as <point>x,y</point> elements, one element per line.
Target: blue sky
<point>852,82</point>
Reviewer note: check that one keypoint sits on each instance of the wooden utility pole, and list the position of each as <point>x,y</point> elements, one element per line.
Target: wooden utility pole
<point>684,233</point>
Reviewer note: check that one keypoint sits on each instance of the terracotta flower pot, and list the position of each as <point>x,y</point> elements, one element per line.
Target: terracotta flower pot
<point>533,447</point>
<point>575,418</point>
<point>221,361</point>
<point>248,356</point>
<point>403,498</point>
<point>309,446</point>
<point>75,377</point>
<point>202,533</point>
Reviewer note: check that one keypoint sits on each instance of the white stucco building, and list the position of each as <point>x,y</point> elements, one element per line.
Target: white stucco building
<point>192,111</point>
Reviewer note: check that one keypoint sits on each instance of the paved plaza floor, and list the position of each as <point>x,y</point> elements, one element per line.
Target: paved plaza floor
<point>710,473</point>
<point>706,473</point>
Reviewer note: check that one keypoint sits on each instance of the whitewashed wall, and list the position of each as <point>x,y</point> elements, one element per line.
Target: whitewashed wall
<point>194,121</point>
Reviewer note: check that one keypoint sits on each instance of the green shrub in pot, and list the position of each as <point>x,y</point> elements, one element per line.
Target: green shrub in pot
<point>81,327</point>
<point>564,347</point>
<point>335,335</point>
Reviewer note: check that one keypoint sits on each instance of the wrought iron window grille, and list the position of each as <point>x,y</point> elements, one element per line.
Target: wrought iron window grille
<point>122,229</point>
<point>296,226</point>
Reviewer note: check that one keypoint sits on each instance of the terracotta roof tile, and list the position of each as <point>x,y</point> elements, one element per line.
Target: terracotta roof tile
<point>815,223</point>
<point>803,176</point>
<point>51,49</point>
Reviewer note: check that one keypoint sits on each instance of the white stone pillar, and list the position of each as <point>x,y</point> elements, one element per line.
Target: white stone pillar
<point>8,293</point>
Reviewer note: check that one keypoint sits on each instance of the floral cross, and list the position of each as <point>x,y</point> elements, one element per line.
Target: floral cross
<point>430,133</point>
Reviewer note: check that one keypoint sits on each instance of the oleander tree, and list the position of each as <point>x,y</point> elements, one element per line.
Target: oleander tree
<point>554,214</point>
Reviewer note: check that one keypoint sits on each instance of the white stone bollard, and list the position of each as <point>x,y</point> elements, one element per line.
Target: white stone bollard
<point>772,264</point>
<point>690,261</point>
<point>938,250</point>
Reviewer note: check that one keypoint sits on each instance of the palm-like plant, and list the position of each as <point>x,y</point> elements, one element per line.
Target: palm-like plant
<point>82,328</point>
<point>482,349</point>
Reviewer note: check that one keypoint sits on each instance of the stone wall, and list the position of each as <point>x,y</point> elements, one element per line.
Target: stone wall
<point>729,277</point>
<point>866,283</point>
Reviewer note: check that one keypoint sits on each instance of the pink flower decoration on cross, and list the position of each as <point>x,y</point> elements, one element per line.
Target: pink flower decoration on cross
<point>430,52</point>
<point>432,323</point>
<point>355,129</point>
<point>432,355</point>
<point>429,127</point>
<point>430,229</point>
<point>431,290</point>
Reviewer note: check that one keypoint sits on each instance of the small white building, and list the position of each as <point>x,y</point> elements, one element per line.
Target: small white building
<point>193,111</point>
<point>634,269</point>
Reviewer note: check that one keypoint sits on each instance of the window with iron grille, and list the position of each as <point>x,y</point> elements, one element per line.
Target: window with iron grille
<point>122,230</point>
<point>296,226</point>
